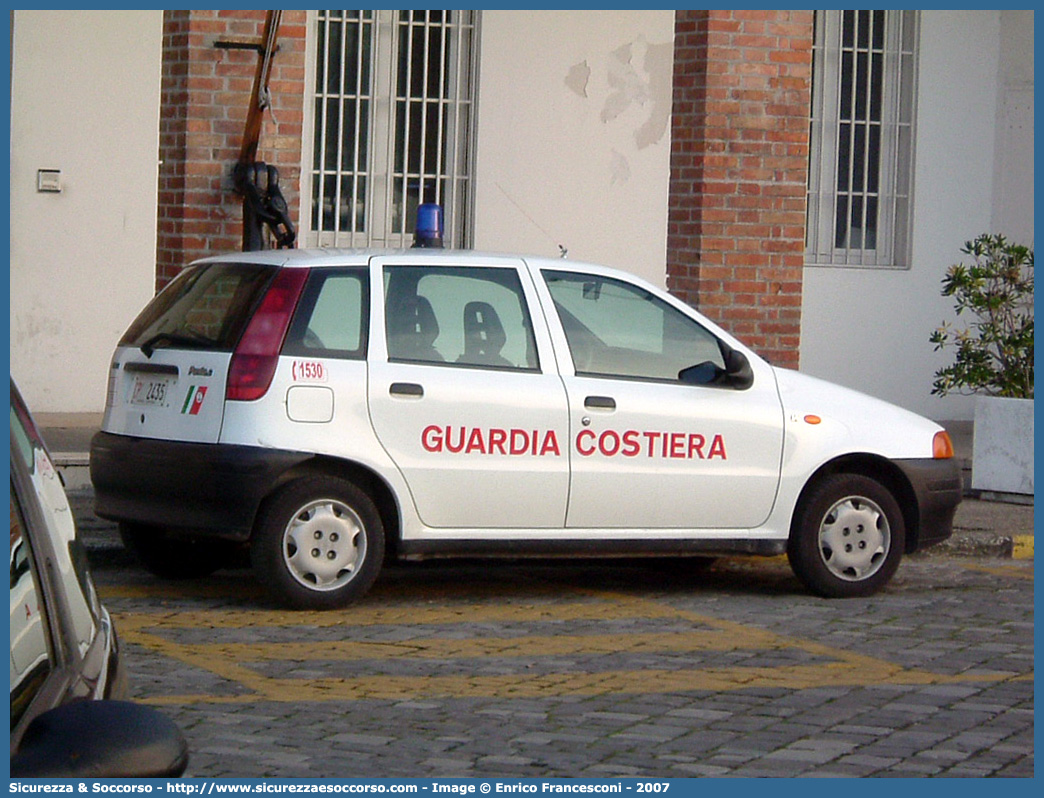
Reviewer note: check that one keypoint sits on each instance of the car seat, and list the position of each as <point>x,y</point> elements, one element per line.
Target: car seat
<point>412,330</point>
<point>484,336</point>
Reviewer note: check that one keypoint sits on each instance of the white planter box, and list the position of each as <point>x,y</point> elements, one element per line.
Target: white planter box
<point>1002,454</point>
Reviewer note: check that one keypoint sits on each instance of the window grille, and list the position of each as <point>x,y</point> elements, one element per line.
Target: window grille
<point>861,136</point>
<point>392,125</point>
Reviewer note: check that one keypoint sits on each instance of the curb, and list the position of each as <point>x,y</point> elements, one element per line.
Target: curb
<point>1009,547</point>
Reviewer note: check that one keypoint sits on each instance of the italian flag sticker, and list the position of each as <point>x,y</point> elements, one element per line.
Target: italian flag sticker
<point>194,400</point>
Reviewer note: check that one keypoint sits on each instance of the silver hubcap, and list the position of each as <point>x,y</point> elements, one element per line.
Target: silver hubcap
<point>854,538</point>
<point>324,545</point>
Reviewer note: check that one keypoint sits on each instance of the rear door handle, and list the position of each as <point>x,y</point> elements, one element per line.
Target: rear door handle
<point>600,403</point>
<point>409,389</point>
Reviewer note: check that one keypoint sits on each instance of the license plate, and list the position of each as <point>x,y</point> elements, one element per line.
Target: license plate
<point>150,391</point>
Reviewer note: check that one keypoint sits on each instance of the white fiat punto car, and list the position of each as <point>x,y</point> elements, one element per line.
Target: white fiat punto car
<point>328,408</point>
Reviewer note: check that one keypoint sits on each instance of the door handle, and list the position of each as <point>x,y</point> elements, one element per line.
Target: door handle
<point>600,403</point>
<point>408,389</point>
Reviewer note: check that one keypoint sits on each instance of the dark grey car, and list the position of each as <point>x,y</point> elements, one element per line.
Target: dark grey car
<point>68,713</point>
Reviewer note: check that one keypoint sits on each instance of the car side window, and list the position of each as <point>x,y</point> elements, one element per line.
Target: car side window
<point>474,316</point>
<point>31,659</point>
<point>330,320</point>
<point>615,329</point>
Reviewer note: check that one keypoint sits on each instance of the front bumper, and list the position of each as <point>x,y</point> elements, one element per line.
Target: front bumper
<point>937,489</point>
<point>210,489</point>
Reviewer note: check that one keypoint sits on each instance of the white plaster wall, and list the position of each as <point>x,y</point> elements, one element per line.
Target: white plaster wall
<point>1013,154</point>
<point>85,100</point>
<point>869,329</point>
<point>574,136</point>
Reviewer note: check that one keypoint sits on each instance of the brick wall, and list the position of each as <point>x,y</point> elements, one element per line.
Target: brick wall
<point>203,105</point>
<point>739,162</point>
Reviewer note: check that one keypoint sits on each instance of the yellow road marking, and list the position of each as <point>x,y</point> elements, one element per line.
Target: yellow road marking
<point>1022,547</point>
<point>241,664</point>
<point>474,648</point>
<point>364,615</point>
<point>1008,571</point>
<point>635,682</point>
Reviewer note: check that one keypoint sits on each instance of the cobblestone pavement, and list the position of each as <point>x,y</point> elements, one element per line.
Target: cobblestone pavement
<point>592,670</point>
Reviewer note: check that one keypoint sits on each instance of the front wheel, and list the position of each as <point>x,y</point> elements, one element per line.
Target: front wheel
<point>847,538</point>
<point>319,543</point>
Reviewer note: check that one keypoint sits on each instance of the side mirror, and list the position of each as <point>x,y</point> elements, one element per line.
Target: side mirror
<point>101,739</point>
<point>737,369</point>
<point>705,373</point>
<point>736,374</point>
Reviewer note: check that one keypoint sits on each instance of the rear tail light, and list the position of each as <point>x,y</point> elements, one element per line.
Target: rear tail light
<point>254,361</point>
<point>942,446</point>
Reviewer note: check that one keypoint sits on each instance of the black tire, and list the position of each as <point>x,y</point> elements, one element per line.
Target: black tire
<point>345,543</point>
<point>847,537</point>
<point>173,557</point>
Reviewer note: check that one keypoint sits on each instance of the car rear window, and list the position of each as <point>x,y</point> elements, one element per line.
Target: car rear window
<point>204,307</point>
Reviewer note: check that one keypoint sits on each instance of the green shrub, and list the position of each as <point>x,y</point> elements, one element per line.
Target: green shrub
<point>993,353</point>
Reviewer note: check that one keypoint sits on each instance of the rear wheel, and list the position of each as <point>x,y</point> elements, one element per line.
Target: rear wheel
<point>319,543</point>
<point>848,537</point>
<point>173,557</point>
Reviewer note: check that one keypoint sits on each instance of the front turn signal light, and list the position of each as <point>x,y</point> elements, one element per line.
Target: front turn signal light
<point>942,446</point>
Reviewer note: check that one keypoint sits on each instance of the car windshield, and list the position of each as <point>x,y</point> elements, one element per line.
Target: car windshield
<point>205,307</point>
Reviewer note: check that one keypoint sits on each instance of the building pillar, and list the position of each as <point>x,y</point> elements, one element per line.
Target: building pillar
<point>739,169</point>
<point>205,93</point>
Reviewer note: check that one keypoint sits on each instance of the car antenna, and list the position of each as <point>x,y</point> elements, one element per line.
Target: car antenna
<point>563,251</point>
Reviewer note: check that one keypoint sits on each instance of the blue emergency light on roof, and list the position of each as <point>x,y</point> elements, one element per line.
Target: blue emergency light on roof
<point>429,226</point>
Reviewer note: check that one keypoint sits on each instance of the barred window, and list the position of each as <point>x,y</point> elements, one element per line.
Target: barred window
<point>861,155</point>
<point>392,124</point>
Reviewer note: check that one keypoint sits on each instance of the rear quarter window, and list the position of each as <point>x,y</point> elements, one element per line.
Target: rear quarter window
<point>331,318</point>
<point>204,307</point>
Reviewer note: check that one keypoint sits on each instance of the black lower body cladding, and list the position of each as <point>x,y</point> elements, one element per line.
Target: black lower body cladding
<point>211,489</point>
<point>938,489</point>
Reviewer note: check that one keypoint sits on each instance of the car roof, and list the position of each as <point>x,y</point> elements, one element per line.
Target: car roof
<point>333,256</point>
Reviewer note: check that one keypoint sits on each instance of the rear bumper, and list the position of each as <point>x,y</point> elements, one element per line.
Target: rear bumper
<point>212,489</point>
<point>938,490</point>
